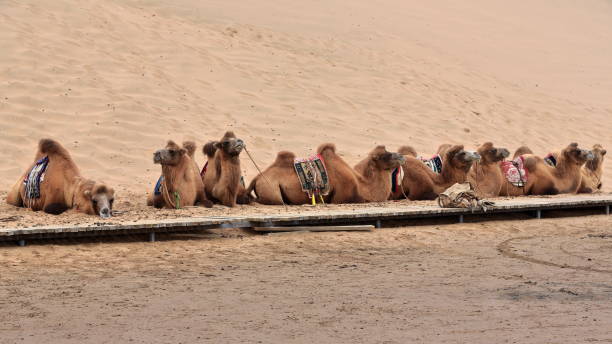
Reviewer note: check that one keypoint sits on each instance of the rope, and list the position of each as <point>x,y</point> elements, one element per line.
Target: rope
<point>261,174</point>
<point>167,198</point>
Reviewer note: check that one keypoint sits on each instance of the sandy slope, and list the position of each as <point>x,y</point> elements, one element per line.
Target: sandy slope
<point>113,80</point>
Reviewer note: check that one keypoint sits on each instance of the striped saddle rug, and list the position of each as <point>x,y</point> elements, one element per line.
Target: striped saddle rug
<point>434,163</point>
<point>35,177</point>
<point>312,175</point>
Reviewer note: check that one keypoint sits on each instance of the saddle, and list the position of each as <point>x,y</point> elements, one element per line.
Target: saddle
<point>551,160</point>
<point>158,186</point>
<point>434,163</point>
<point>35,177</point>
<point>396,178</point>
<point>515,171</point>
<point>462,196</point>
<point>313,176</point>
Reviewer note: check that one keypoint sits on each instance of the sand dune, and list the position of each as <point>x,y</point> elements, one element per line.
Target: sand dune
<point>114,80</point>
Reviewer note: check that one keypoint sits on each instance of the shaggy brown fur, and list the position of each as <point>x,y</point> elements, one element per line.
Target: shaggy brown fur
<point>181,177</point>
<point>369,181</point>
<point>421,183</point>
<point>486,175</point>
<point>565,177</point>
<point>63,186</point>
<point>592,171</point>
<point>222,178</point>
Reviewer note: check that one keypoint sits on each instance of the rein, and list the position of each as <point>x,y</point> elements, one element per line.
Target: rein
<point>177,197</point>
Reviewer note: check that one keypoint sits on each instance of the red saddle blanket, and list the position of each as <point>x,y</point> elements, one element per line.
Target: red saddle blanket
<point>515,171</point>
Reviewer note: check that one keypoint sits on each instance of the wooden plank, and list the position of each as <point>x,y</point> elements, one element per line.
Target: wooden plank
<point>321,217</point>
<point>363,228</point>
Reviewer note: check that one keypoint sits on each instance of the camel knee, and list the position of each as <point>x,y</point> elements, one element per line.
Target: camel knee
<point>55,208</point>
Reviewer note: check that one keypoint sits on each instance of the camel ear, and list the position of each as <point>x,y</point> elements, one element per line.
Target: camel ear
<point>603,152</point>
<point>182,151</point>
<point>218,145</point>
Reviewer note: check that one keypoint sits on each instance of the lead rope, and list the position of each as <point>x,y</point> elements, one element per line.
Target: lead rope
<point>263,175</point>
<point>177,197</point>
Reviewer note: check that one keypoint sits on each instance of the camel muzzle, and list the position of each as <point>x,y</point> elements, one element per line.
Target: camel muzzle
<point>589,155</point>
<point>472,156</point>
<point>504,153</point>
<point>105,213</point>
<point>157,159</point>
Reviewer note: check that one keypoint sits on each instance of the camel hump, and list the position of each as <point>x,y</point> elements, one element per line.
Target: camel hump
<point>284,158</point>
<point>522,150</point>
<point>326,147</point>
<point>210,148</point>
<point>50,146</point>
<point>190,147</point>
<point>407,150</point>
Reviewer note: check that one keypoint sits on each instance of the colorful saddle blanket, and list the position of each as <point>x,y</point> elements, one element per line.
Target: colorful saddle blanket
<point>551,160</point>
<point>312,175</point>
<point>35,177</point>
<point>396,178</point>
<point>515,171</point>
<point>434,163</point>
<point>158,186</point>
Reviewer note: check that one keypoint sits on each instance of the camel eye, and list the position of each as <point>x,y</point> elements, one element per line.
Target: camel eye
<point>493,151</point>
<point>95,202</point>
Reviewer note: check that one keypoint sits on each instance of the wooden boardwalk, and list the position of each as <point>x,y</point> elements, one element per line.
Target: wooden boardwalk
<point>375,215</point>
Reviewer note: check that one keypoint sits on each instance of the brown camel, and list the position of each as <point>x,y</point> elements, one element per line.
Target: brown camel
<point>421,183</point>
<point>222,177</point>
<point>53,184</point>
<point>592,171</point>
<point>370,181</point>
<point>180,184</point>
<point>486,175</point>
<point>565,177</point>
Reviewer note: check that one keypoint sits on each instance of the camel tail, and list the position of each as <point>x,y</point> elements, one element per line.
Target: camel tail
<point>209,149</point>
<point>190,147</point>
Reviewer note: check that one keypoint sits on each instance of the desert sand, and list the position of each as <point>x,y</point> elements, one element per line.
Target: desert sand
<point>113,80</point>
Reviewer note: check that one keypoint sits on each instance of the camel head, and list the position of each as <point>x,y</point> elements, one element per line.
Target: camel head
<point>598,157</point>
<point>491,154</point>
<point>230,145</point>
<point>384,160</point>
<point>95,199</point>
<point>576,155</point>
<point>170,155</point>
<point>460,158</point>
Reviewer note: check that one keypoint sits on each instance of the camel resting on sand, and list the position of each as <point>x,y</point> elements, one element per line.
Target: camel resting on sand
<point>53,184</point>
<point>421,183</point>
<point>222,177</point>
<point>486,175</point>
<point>370,180</point>
<point>565,177</point>
<point>180,184</point>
